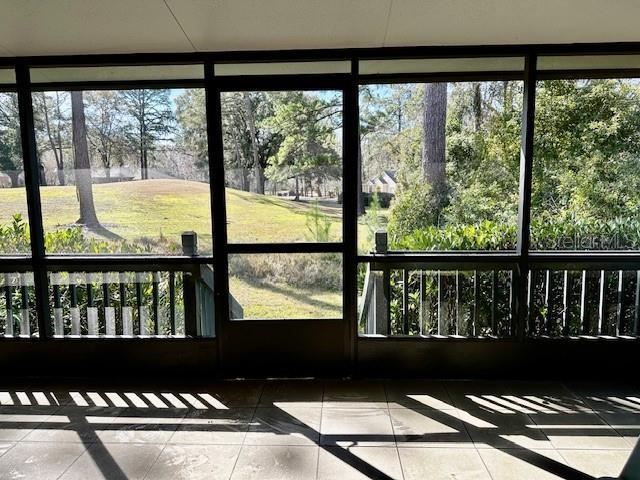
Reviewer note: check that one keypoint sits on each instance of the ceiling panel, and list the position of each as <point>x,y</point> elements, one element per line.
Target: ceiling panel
<point>468,22</point>
<point>41,27</point>
<point>36,27</point>
<point>282,24</point>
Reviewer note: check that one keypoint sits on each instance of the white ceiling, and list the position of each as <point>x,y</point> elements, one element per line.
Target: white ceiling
<point>48,27</point>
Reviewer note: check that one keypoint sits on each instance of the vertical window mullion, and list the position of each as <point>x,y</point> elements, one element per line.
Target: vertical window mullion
<point>34,205</point>
<point>524,198</point>
<point>350,175</point>
<point>218,204</point>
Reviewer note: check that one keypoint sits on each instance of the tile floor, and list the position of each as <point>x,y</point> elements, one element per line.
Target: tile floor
<point>318,430</point>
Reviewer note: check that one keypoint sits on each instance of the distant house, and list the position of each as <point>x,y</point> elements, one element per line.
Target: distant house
<point>383,183</point>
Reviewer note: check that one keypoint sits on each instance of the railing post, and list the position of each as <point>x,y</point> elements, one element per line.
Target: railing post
<point>382,290</point>
<point>190,248</point>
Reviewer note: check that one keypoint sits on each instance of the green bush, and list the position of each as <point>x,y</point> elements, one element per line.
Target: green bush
<point>303,270</point>
<point>413,209</point>
<point>15,238</point>
<point>547,233</point>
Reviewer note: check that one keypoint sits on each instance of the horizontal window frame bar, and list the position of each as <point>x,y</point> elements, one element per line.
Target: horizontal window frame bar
<point>18,263</point>
<point>328,54</point>
<point>115,85</point>
<point>274,248</point>
<point>106,263</point>
<point>488,339</point>
<point>280,321</point>
<point>439,77</point>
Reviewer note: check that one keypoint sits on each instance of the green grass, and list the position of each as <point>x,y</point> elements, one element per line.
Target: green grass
<point>285,300</point>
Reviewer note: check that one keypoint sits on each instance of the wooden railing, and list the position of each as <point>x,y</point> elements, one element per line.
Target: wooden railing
<point>17,312</point>
<point>476,294</point>
<point>480,303</point>
<point>121,303</point>
<point>469,303</point>
<point>115,297</point>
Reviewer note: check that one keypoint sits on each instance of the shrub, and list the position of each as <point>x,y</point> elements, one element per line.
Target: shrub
<point>318,224</point>
<point>304,270</point>
<point>414,209</point>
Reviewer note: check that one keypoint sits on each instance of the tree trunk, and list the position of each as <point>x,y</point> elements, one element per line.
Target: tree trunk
<point>244,174</point>
<point>60,157</point>
<point>106,163</point>
<point>360,181</point>
<point>433,141</point>
<point>14,176</point>
<point>57,154</point>
<point>251,123</point>
<point>477,107</point>
<point>507,100</point>
<point>82,163</point>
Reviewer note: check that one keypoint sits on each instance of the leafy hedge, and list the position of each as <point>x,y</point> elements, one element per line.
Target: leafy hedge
<point>546,234</point>
<point>15,238</point>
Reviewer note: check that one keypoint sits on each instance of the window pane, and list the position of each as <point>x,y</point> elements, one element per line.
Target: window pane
<point>115,73</point>
<point>283,164</point>
<point>590,62</point>
<point>282,68</point>
<point>586,179</point>
<point>440,165</point>
<point>126,171</point>
<point>14,230</point>
<point>440,65</point>
<point>280,286</point>
<point>7,75</point>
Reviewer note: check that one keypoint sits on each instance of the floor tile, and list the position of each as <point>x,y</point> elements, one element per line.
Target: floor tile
<point>293,393</point>
<point>227,427</point>
<point>430,428</point>
<point>356,426</point>
<point>5,447</point>
<point>114,461</point>
<point>38,460</point>
<point>355,463</point>
<point>579,431</point>
<point>597,463</point>
<point>285,426</point>
<point>518,464</point>
<point>442,464</point>
<point>268,462</point>
<point>16,422</point>
<point>245,393</point>
<point>418,394</point>
<point>73,424</point>
<point>625,423</point>
<point>354,394</point>
<point>470,394</point>
<point>608,397</point>
<point>195,462</point>
<point>141,425</point>
<point>510,430</point>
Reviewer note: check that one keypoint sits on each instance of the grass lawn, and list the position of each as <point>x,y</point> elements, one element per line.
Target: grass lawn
<point>285,301</point>
<point>150,209</point>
